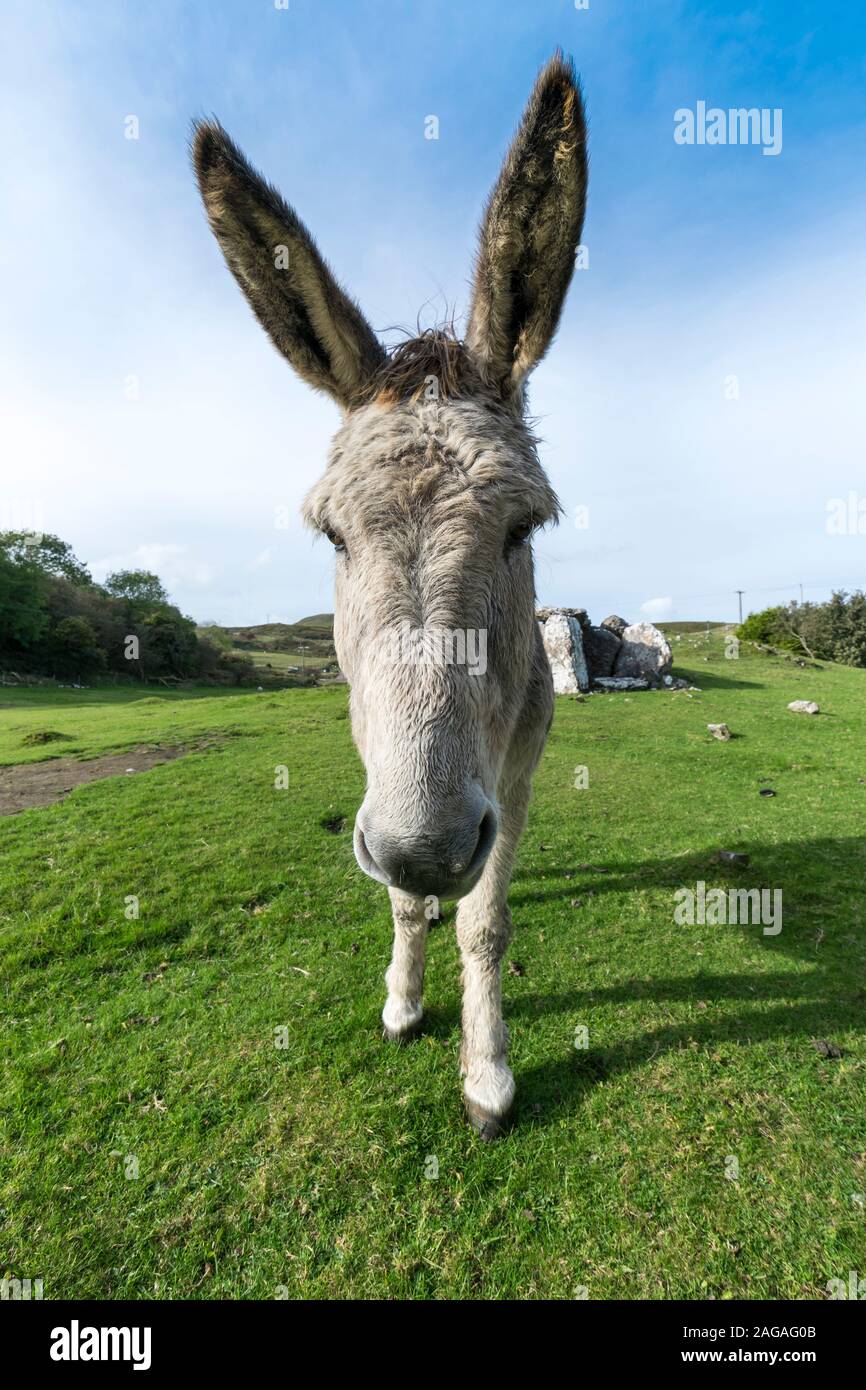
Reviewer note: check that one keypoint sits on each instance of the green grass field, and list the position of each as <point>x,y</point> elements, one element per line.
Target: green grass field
<point>158,1142</point>
<point>282,662</point>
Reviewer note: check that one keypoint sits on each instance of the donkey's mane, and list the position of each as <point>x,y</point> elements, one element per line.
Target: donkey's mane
<point>435,364</point>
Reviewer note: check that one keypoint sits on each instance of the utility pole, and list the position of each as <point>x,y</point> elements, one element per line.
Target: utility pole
<point>739,593</point>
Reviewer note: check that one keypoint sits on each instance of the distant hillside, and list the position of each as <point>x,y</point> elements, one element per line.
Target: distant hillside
<point>316,635</point>
<point>692,627</point>
<point>307,645</point>
<point>318,620</point>
<point>281,637</point>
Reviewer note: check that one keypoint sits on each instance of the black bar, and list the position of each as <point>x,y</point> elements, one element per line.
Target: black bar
<point>227,1338</point>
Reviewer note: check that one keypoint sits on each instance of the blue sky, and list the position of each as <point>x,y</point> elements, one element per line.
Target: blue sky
<point>706,263</point>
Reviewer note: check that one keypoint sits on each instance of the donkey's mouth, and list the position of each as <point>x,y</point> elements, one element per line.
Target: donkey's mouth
<point>420,866</point>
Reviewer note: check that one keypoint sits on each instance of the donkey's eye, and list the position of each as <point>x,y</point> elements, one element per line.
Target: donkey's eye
<point>336,541</point>
<point>518,535</point>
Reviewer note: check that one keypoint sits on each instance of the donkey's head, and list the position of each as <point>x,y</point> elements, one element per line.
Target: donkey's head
<point>433,488</point>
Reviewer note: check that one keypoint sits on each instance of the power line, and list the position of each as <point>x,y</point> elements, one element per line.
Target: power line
<point>778,588</point>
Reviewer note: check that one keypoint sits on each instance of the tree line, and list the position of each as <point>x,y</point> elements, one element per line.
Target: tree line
<point>833,631</point>
<point>56,621</point>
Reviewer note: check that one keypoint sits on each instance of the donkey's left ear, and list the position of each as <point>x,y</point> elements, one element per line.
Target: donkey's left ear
<point>530,233</point>
<point>309,318</point>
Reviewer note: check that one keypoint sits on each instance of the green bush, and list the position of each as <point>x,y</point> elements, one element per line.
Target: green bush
<point>767,627</point>
<point>834,631</point>
<point>76,650</point>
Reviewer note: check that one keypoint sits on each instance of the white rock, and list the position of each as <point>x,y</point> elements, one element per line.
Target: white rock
<point>622,682</point>
<point>564,646</point>
<point>720,731</point>
<point>645,651</point>
<point>804,707</point>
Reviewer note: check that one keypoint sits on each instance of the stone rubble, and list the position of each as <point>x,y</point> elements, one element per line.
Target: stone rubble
<point>614,655</point>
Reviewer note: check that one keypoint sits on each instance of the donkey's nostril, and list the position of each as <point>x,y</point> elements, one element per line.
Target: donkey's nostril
<point>469,864</point>
<point>365,858</point>
<point>486,835</point>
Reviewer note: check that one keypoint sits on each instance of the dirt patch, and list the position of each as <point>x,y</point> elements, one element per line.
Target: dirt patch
<point>39,784</point>
<point>335,825</point>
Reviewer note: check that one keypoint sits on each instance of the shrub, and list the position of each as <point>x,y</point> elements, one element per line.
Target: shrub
<point>834,631</point>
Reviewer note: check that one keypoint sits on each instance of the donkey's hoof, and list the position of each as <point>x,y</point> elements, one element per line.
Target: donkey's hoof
<point>487,1126</point>
<point>407,1035</point>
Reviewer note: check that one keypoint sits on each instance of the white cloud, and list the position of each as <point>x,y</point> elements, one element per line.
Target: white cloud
<point>657,608</point>
<point>174,564</point>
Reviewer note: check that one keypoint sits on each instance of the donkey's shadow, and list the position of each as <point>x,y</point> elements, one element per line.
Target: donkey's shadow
<point>815,876</point>
<point>562,1083</point>
<point>808,1005</point>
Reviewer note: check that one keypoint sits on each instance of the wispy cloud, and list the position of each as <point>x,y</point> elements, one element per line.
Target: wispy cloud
<point>175,564</point>
<point>657,609</point>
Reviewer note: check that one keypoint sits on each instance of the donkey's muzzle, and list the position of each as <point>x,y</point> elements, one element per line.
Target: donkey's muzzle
<point>442,862</point>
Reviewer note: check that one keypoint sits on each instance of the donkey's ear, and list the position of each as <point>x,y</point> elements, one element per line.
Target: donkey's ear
<point>293,294</point>
<point>530,233</point>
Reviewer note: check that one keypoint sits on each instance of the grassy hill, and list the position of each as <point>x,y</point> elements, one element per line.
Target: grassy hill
<point>675,629</point>
<point>309,643</point>
<point>305,645</point>
<point>196,1099</point>
<point>322,621</point>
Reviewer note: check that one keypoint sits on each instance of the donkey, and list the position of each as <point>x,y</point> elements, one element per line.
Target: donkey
<point>431,495</point>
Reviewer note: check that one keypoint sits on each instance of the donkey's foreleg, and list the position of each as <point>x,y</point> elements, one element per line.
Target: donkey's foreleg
<point>483,933</point>
<point>488,1088</point>
<point>404,977</point>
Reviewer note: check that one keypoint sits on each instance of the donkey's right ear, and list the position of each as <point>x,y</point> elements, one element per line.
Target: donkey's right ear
<point>308,317</point>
